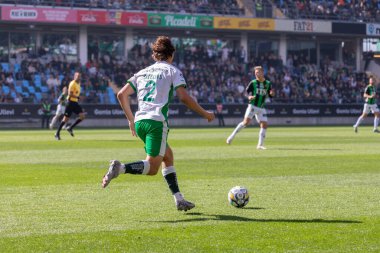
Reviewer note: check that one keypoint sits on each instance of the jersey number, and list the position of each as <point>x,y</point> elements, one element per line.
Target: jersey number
<point>152,87</point>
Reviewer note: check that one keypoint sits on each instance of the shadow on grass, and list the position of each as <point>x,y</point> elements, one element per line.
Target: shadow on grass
<point>307,149</point>
<point>245,219</point>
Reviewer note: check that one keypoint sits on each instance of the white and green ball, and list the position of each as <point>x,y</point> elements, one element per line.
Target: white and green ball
<point>238,196</point>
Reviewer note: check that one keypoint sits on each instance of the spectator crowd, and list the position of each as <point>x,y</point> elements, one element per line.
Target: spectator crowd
<point>212,76</point>
<point>222,7</point>
<point>345,10</point>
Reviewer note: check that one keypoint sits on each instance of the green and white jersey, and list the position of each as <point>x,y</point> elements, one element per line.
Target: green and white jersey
<point>370,90</point>
<point>154,86</point>
<point>260,90</point>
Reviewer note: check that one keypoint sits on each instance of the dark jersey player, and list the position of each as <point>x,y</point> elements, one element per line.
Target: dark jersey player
<point>257,91</point>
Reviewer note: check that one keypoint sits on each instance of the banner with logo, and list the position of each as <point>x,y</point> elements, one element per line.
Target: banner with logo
<point>112,18</point>
<point>373,29</point>
<point>180,21</point>
<point>244,23</point>
<point>303,26</point>
<point>19,111</point>
<point>53,15</point>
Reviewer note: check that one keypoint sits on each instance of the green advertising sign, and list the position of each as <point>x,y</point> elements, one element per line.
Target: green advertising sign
<point>180,21</point>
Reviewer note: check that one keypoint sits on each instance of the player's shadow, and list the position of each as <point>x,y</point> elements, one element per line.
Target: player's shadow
<point>312,149</point>
<point>207,217</point>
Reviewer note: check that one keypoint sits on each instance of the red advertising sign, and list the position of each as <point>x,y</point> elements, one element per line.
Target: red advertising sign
<point>112,18</point>
<point>54,15</point>
<point>92,17</point>
<point>134,19</point>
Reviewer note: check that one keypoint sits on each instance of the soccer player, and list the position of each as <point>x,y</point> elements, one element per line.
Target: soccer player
<point>60,107</point>
<point>369,106</point>
<point>257,91</point>
<point>154,86</point>
<point>72,106</point>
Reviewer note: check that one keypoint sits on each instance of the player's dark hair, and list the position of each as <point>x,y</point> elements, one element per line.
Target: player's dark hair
<point>162,48</point>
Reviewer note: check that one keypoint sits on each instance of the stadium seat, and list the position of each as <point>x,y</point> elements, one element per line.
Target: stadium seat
<point>25,83</point>
<point>5,66</point>
<point>38,96</point>
<point>13,94</point>
<point>18,89</point>
<point>6,90</point>
<point>17,67</point>
<point>32,89</point>
<point>44,89</point>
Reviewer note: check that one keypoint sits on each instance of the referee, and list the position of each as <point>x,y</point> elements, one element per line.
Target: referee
<point>72,106</point>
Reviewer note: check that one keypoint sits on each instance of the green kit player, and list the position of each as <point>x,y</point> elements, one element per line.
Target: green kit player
<point>369,106</point>
<point>154,86</point>
<point>257,91</point>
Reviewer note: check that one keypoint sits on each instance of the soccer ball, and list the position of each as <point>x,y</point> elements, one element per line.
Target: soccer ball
<point>238,196</point>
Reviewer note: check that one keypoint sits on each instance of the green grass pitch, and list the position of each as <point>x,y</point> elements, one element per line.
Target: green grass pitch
<point>316,189</point>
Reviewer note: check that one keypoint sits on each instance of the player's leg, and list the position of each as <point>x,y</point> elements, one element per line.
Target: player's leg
<point>63,122</point>
<point>247,119</point>
<point>78,110</point>
<point>362,117</point>
<point>376,120</point>
<point>66,117</point>
<point>261,117</point>
<point>58,113</point>
<point>170,175</point>
<point>154,134</point>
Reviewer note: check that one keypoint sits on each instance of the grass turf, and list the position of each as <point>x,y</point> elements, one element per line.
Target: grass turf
<point>313,190</point>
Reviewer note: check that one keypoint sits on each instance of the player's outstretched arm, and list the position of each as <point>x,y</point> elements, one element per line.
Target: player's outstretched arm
<point>185,98</point>
<point>123,97</point>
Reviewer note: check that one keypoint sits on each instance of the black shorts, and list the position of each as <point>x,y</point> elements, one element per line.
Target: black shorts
<point>72,107</point>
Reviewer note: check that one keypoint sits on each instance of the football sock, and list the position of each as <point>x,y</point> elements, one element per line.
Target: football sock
<point>76,123</point>
<point>375,122</point>
<point>54,120</point>
<point>60,127</point>
<point>262,136</point>
<point>360,119</point>
<point>171,178</point>
<point>139,167</point>
<point>239,127</point>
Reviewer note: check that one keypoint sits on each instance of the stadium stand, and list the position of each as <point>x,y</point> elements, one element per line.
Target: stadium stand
<point>362,10</point>
<point>211,77</point>
<point>222,7</point>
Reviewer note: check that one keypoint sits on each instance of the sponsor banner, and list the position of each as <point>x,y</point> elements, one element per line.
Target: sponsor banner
<point>180,21</point>
<point>373,29</point>
<point>112,18</point>
<point>53,15</point>
<point>303,26</point>
<point>134,19</point>
<point>19,111</point>
<point>244,23</point>
<point>349,28</point>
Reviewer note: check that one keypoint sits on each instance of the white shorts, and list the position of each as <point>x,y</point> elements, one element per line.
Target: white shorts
<point>373,108</point>
<point>60,110</point>
<point>260,113</point>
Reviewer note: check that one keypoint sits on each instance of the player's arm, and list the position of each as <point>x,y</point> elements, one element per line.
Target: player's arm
<point>185,98</point>
<point>123,97</point>
<point>271,91</point>
<point>250,92</point>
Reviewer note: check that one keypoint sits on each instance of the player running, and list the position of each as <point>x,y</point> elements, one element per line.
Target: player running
<point>257,90</point>
<point>154,86</point>
<point>60,107</point>
<point>369,106</point>
<point>72,106</point>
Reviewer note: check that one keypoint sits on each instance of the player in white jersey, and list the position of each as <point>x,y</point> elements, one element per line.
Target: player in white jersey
<point>154,86</point>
